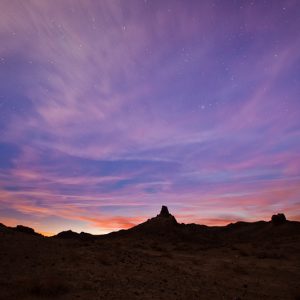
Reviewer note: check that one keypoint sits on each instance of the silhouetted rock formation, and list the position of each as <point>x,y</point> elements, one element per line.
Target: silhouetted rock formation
<point>164,224</point>
<point>164,227</point>
<point>164,212</point>
<point>278,219</point>
<point>69,234</point>
<point>164,216</point>
<point>25,229</point>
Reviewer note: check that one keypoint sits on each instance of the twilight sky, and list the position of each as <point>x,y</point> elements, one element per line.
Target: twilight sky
<point>109,109</point>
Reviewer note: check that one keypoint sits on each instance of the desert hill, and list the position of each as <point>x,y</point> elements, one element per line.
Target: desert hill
<point>157,259</point>
<point>165,226</point>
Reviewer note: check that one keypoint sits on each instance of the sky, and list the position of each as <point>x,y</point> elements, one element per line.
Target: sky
<point>110,109</point>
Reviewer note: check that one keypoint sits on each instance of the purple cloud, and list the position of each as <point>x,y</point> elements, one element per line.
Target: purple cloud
<point>112,108</point>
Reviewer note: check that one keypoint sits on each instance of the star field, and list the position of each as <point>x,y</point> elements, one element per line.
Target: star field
<point>109,109</point>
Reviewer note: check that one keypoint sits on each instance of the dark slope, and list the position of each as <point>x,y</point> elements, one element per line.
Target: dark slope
<point>158,259</point>
<point>20,229</point>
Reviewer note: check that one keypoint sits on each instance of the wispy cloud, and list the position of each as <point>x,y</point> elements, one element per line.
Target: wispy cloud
<point>120,105</point>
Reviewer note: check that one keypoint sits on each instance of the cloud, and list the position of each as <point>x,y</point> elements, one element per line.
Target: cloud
<point>133,105</point>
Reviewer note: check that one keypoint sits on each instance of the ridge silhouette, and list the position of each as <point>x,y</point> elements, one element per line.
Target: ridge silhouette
<point>165,225</point>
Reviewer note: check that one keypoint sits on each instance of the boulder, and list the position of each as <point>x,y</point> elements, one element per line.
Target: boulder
<point>278,219</point>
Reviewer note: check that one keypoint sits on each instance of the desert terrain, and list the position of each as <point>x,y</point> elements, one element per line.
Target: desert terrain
<point>158,259</point>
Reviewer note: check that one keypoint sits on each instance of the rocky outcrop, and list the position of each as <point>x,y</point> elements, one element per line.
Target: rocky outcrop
<point>163,224</point>
<point>164,216</point>
<point>164,212</point>
<point>69,234</point>
<point>25,229</point>
<point>278,219</point>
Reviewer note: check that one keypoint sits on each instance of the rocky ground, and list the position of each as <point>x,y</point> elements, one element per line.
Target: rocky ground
<point>158,259</point>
